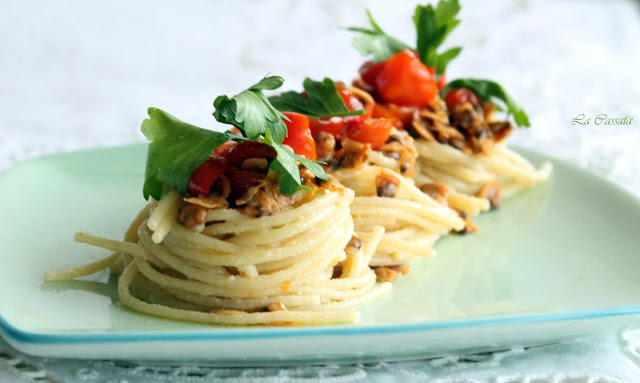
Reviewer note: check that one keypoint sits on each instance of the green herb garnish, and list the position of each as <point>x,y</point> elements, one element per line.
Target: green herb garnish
<point>175,151</point>
<point>433,25</point>
<point>376,42</point>
<point>322,100</point>
<point>178,148</point>
<point>490,91</point>
<point>251,112</point>
<point>285,163</point>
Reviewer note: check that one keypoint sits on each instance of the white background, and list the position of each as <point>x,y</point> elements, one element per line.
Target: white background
<point>81,74</point>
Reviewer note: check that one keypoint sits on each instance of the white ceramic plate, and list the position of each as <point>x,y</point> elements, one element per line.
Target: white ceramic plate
<point>557,261</point>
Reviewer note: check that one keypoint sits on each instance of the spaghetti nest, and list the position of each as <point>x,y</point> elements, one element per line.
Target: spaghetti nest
<point>300,266</point>
<point>413,221</point>
<point>378,167</point>
<point>477,180</point>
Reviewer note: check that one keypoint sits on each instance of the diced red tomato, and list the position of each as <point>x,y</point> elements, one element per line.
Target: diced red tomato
<point>351,121</point>
<point>374,131</point>
<point>354,122</point>
<point>361,128</point>
<point>408,73</point>
<point>405,80</point>
<point>383,111</point>
<point>331,125</point>
<point>223,150</point>
<point>336,125</point>
<point>349,99</point>
<point>402,116</point>
<point>403,113</point>
<point>460,95</point>
<point>370,70</point>
<point>250,149</point>
<point>206,175</point>
<point>441,80</point>
<point>299,135</point>
<point>241,180</point>
<point>353,103</point>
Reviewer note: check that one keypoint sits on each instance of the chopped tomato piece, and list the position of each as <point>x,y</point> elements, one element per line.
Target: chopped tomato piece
<point>250,149</point>
<point>241,180</point>
<point>370,70</point>
<point>441,80</point>
<point>206,175</point>
<point>353,103</point>
<point>351,121</point>
<point>336,125</point>
<point>460,95</point>
<point>405,80</point>
<point>374,131</point>
<point>402,116</point>
<point>403,113</point>
<point>383,111</point>
<point>331,125</point>
<point>349,99</point>
<point>299,135</point>
<point>223,150</point>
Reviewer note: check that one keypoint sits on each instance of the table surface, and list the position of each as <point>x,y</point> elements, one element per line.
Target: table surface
<point>79,75</point>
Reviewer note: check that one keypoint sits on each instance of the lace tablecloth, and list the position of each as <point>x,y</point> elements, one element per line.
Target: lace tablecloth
<point>77,75</point>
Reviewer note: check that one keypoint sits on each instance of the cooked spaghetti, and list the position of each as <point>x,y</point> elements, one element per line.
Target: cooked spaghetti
<point>480,179</point>
<point>377,161</point>
<point>243,227</point>
<point>462,157</point>
<point>464,148</point>
<point>299,266</point>
<point>413,221</point>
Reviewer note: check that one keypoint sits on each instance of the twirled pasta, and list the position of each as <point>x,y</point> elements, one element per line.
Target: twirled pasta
<point>287,268</point>
<point>467,174</point>
<point>413,221</point>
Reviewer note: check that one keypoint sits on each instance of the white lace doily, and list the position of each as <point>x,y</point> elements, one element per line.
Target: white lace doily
<point>77,75</point>
<point>606,358</point>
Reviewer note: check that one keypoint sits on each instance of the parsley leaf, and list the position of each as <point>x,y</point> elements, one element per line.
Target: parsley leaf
<point>257,119</point>
<point>251,112</point>
<point>231,136</point>
<point>432,26</point>
<point>444,58</point>
<point>322,100</point>
<point>176,150</point>
<point>313,166</point>
<point>376,42</point>
<point>490,91</point>
<point>285,163</point>
<point>289,179</point>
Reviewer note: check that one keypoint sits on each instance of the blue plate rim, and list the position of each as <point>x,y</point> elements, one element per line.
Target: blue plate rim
<point>244,333</point>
